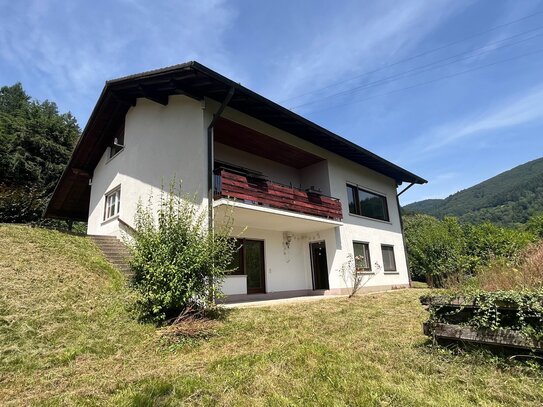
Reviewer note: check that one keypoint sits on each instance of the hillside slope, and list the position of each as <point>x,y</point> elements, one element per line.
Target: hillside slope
<point>67,338</point>
<point>509,198</point>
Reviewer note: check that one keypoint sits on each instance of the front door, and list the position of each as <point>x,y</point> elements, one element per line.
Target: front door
<point>253,253</point>
<point>319,265</point>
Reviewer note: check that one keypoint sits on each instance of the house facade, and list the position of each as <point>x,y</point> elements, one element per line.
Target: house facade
<point>303,200</point>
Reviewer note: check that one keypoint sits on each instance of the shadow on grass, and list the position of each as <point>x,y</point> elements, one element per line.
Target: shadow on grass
<point>475,354</point>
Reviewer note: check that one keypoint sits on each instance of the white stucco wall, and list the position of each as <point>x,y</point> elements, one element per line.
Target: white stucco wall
<point>358,228</point>
<point>339,243</point>
<point>160,142</point>
<point>163,141</point>
<point>317,176</point>
<point>277,172</point>
<point>286,268</point>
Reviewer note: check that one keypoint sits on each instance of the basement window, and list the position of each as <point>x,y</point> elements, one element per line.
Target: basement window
<point>389,262</point>
<point>112,204</point>
<point>366,203</point>
<point>362,259</point>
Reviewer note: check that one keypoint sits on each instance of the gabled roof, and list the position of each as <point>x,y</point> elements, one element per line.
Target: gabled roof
<point>72,194</point>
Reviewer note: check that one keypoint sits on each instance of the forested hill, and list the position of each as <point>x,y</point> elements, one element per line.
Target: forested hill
<point>507,199</point>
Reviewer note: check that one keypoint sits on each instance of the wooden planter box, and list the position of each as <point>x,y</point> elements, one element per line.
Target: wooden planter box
<point>455,315</point>
<point>501,337</point>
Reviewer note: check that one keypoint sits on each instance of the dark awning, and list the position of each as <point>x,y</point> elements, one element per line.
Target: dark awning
<point>71,197</point>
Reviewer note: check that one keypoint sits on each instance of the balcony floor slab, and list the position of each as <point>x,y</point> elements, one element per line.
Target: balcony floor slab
<point>263,217</point>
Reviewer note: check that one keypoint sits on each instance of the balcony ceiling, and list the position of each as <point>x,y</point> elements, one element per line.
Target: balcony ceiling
<point>243,138</point>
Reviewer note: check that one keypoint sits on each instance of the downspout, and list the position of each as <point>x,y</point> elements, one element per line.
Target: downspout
<point>403,233</point>
<point>211,158</point>
<point>210,165</point>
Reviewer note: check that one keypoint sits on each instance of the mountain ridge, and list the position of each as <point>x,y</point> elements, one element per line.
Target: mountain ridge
<point>509,198</point>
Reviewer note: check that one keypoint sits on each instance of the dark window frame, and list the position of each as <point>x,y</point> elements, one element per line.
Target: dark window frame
<point>119,136</point>
<point>356,204</point>
<point>366,248</point>
<point>391,247</point>
<point>239,253</point>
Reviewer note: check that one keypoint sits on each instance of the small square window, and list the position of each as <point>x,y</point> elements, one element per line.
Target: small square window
<point>389,262</point>
<point>113,204</point>
<point>362,259</point>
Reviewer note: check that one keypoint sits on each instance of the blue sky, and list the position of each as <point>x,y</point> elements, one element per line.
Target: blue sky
<point>451,90</point>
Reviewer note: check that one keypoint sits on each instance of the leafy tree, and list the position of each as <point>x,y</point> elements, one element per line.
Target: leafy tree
<point>36,142</point>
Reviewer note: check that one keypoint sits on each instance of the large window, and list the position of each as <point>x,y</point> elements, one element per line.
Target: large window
<point>366,203</point>
<point>236,266</point>
<point>389,262</point>
<point>249,261</point>
<point>362,259</point>
<point>113,203</point>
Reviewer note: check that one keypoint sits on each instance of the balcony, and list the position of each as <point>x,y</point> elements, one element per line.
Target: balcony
<point>255,190</point>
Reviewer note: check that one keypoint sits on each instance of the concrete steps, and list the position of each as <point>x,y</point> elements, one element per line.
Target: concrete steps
<point>114,251</point>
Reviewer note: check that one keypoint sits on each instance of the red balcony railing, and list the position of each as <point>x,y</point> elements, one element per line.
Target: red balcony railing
<point>258,191</point>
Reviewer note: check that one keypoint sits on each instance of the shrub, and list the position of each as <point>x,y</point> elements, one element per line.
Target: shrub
<point>447,253</point>
<point>436,249</point>
<point>177,263</point>
<point>486,242</point>
<point>354,279</point>
<point>535,226</point>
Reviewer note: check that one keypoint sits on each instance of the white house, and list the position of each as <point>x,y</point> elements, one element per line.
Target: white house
<point>304,198</point>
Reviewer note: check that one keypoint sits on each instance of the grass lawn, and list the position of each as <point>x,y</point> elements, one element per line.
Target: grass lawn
<point>66,338</point>
<point>418,284</point>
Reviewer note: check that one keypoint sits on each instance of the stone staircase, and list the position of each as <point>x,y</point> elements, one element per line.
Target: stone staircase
<point>114,251</point>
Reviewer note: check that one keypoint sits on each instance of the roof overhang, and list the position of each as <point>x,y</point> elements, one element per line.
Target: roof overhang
<point>71,197</point>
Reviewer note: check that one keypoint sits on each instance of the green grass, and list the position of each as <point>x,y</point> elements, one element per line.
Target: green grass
<point>66,338</point>
<point>418,284</point>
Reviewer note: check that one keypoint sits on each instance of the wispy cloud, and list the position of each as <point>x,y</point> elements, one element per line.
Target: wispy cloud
<point>355,41</point>
<point>73,48</point>
<point>516,111</point>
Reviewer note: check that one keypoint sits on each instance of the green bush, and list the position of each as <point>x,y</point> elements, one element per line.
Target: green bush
<point>445,251</point>
<point>436,249</point>
<point>177,263</point>
<point>535,226</point>
<point>486,242</point>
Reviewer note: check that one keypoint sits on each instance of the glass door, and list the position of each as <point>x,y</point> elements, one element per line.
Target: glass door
<point>319,265</point>
<point>253,253</point>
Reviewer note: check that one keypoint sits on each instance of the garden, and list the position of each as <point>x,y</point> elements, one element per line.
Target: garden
<point>489,281</point>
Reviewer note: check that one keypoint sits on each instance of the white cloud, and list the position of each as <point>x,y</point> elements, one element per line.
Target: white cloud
<point>358,41</point>
<point>520,110</point>
<point>68,49</point>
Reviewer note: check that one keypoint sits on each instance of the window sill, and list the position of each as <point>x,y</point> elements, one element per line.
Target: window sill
<point>108,220</point>
<point>391,272</point>
<point>116,154</point>
<point>373,219</point>
<point>365,273</point>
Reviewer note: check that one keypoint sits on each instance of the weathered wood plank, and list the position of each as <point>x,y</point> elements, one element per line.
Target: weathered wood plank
<point>278,196</point>
<point>502,337</point>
